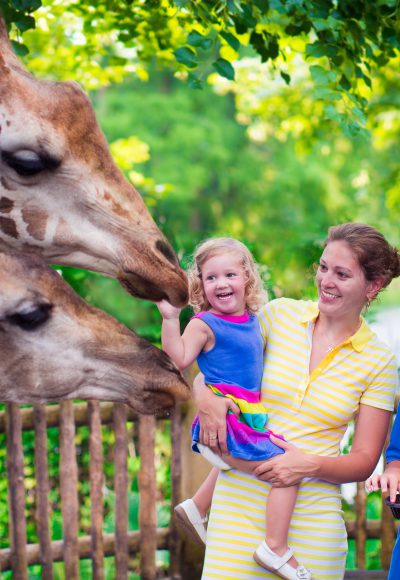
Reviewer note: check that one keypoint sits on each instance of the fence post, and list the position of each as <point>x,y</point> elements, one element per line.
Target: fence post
<point>42,491</point>
<point>121,491</point>
<point>68,489</point>
<point>175,544</point>
<point>148,498</point>
<point>96,489</point>
<point>15,468</point>
<point>361,525</point>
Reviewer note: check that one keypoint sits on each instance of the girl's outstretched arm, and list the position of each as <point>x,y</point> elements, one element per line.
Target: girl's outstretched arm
<point>182,349</point>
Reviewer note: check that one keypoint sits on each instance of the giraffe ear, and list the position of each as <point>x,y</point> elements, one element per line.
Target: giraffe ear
<point>7,56</point>
<point>4,40</point>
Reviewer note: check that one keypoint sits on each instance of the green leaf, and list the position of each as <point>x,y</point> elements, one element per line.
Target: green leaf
<point>198,40</point>
<point>318,49</point>
<point>327,94</point>
<point>19,48</point>
<point>285,77</point>
<point>332,113</point>
<point>186,56</point>
<point>344,82</point>
<point>26,5</point>
<point>224,68</point>
<point>322,75</point>
<point>24,22</point>
<point>194,82</point>
<point>231,40</point>
<point>263,5</point>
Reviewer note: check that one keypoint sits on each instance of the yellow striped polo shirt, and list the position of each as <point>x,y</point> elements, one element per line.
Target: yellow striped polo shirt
<point>313,410</point>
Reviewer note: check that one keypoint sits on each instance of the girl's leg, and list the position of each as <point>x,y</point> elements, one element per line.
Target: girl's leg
<point>192,513</point>
<point>280,505</point>
<point>203,496</point>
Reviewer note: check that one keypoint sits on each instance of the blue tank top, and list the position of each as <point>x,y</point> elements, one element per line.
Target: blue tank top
<point>237,355</point>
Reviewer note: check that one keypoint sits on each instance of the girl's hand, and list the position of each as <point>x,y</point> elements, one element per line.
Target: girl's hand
<point>388,481</point>
<point>286,469</point>
<point>167,311</point>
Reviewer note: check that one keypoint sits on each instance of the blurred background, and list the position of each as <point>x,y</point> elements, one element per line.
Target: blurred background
<point>268,130</point>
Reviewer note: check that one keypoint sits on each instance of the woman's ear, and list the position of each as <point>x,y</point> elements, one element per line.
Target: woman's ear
<point>374,288</point>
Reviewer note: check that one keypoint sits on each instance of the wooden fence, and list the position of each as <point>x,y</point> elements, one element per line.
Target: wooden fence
<point>123,543</point>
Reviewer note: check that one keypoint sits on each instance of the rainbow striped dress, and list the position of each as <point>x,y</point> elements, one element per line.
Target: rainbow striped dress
<point>233,368</point>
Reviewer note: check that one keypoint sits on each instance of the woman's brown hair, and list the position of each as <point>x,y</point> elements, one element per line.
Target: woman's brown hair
<point>377,258</point>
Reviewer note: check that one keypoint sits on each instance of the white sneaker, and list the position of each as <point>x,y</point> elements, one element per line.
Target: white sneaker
<point>189,516</point>
<point>269,560</point>
<point>213,458</point>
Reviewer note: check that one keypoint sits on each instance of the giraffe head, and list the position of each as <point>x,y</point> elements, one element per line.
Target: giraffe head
<point>55,346</point>
<point>61,194</point>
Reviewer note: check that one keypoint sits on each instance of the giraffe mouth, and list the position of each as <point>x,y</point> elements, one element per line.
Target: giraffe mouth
<point>141,287</point>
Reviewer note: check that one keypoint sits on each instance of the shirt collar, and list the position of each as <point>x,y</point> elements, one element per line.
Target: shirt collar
<point>358,340</point>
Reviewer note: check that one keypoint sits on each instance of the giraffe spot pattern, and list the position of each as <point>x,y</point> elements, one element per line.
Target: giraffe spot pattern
<point>36,220</point>
<point>6,204</point>
<point>8,226</point>
<point>6,185</point>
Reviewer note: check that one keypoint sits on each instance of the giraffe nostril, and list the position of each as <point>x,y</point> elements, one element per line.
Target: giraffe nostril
<point>167,251</point>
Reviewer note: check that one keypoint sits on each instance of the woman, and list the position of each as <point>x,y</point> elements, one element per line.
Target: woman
<point>323,367</point>
<point>389,481</point>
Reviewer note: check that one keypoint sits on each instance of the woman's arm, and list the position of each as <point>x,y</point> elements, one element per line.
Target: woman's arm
<point>369,437</point>
<point>212,411</point>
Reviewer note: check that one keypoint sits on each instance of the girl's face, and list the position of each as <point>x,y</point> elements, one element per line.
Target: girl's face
<point>342,287</point>
<point>224,284</point>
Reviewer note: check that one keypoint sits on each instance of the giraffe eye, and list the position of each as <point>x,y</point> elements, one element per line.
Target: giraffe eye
<point>28,163</point>
<point>32,318</point>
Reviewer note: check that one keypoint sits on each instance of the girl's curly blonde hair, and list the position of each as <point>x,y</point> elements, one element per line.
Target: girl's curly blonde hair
<point>256,295</point>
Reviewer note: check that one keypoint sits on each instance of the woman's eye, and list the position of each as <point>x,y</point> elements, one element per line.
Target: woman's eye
<point>322,268</point>
<point>343,275</point>
<point>231,275</point>
<point>31,319</point>
<point>28,163</point>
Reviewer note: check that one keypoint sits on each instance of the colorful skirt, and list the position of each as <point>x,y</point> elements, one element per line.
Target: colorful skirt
<point>247,435</point>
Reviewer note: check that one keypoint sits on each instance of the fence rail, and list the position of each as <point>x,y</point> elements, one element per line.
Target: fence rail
<point>121,544</point>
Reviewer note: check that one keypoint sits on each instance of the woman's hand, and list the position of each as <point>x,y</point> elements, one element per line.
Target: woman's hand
<point>388,481</point>
<point>286,469</point>
<point>212,411</point>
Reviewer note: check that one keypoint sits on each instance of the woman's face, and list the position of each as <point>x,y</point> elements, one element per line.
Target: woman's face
<point>343,289</point>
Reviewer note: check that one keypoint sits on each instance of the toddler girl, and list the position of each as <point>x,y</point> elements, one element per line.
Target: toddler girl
<point>224,336</point>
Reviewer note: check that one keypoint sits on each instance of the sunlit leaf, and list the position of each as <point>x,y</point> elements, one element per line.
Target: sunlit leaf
<point>224,68</point>
<point>186,56</point>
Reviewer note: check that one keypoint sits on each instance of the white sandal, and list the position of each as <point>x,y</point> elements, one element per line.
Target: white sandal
<point>213,458</point>
<point>189,517</point>
<point>266,558</point>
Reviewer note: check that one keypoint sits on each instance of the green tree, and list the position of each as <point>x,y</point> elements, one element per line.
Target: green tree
<point>343,41</point>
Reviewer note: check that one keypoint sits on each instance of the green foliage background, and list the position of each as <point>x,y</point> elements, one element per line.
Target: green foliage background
<point>267,121</point>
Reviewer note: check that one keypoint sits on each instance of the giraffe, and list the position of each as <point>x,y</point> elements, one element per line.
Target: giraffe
<point>61,194</point>
<point>62,199</point>
<point>54,346</point>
